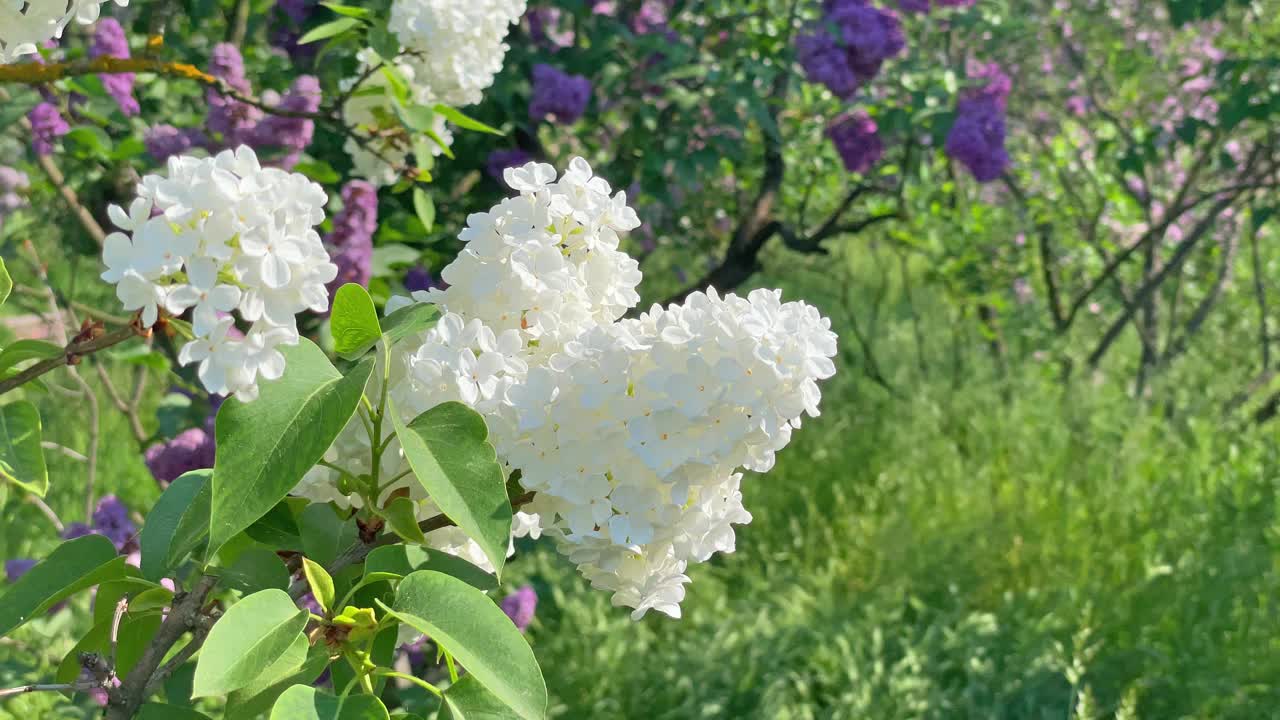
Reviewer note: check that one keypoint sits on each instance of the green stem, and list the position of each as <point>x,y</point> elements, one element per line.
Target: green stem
<point>453,671</point>
<point>416,681</point>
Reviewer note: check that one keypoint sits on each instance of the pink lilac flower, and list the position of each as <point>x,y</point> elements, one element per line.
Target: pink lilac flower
<point>547,29</point>
<point>520,606</point>
<point>109,41</point>
<point>557,95</point>
<point>47,125</point>
<point>854,135</point>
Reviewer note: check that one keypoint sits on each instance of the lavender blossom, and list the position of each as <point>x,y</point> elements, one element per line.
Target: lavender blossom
<point>865,37</point>
<point>350,243</point>
<point>420,278</point>
<point>232,119</point>
<point>165,141</point>
<point>520,606</point>
<point>47,125</point>
<point>14,569</point>
<point>11,182</point>
<point>111,519</point>
<point>191,449</point>
<point>109,41</point>
<point>557,95</point>
<point>977,138</point>
<point>293,134</point>
<point>546,28</point>
<point>856,140</point>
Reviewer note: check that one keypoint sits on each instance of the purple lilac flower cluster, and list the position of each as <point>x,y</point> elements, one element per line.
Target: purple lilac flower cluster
<point>109,41</point>
<point>856,140</point>
<point>501,159</point>
<point>191,449</point>
<point>47,125</point>
<point>977,137</point>
<point>557,95</point>
<point>232,122</point>
<point>548,29</point>
<point>850,46</point>
<point>350,243</point>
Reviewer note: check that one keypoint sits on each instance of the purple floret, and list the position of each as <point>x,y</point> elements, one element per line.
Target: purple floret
<point>520,606</point>
<point>109,41</point>
<point>557,95</point>
<point>856,140</point>
<point>47,125</point>
<point>191,449</point>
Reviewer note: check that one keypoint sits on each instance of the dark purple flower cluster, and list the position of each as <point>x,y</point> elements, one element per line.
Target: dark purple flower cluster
<point>47,125</point>
<point>297,10</point>
<point>14,569</point>
<point>520,606</point>
<point>420,278</point>
<point>557,95</point>
<point>350,243</point>
<point>109,41</point>
<point>165,141</point>
<point>111,519</point>
<point>189,450</point>
<point>850,46</point>
<point>977,137</point>
<point>293,134</point>
<point>286,29</point>
<point>856,140</point>
<point>501,159</point>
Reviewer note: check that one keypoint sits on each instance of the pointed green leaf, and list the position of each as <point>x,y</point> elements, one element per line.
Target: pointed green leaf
<point>425,207</point>
<point>347,10</point>
<point>6,282</point>
<point>176,524</point>
<point>320,582</point>
<point>254,570</point>
<point>462,120</point>
<point>303,702</point>
<point>324,534</point>
<point>400,515</point>
<point>467,699</point>
<point>266,446</point>
<point>468,624</point>
<point>448,449</point>
<point>73,566</point>
<point>408,321</point>
<point>353,322</point>
<point>404,559</point>
<point>246,641</point>
<point>255,700</point>
<point>24,350</point>
<point>328,30</point>
<point>21,456</point>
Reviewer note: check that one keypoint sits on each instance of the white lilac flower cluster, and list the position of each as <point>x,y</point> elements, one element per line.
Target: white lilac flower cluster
<point>27,24</point>
<point>451,52</point>
<point>218,235</point>
<point>385,144</point>
<point>631,432</point>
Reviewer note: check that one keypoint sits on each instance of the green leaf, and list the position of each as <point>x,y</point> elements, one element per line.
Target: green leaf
<point>324,534</point>
<point>256,569</point>
<point>353,322</point>
<point>467,699</point>
<point>425,207</point>
<point>278,529</point>
<point>176,524</point>
<point>135,633</point>
<point>403,520</point>
<point>386,257</point>
<point>73,566</point>
<point>160,711</point>
<point>320,582</point>
<point>6,282</point>
<point>404,559</point>
<point>347,10</point>
<point>255,700</point>
<point>328,30</point>
<point>21,456</point>
<point>447,447</point>
<point>384,42</point>
<point>462,120</point>
<point>468,624</point>
<point>303,702</point>
<point>246,641</point>
<point>21,103</point>
<point>408,321</point>
<point>266,446</point>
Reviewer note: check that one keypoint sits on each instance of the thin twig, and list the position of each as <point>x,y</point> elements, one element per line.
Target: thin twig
<point>122,605</point>
<point>71,355</point>
<point>56,687</point>
<point>43,506</point>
